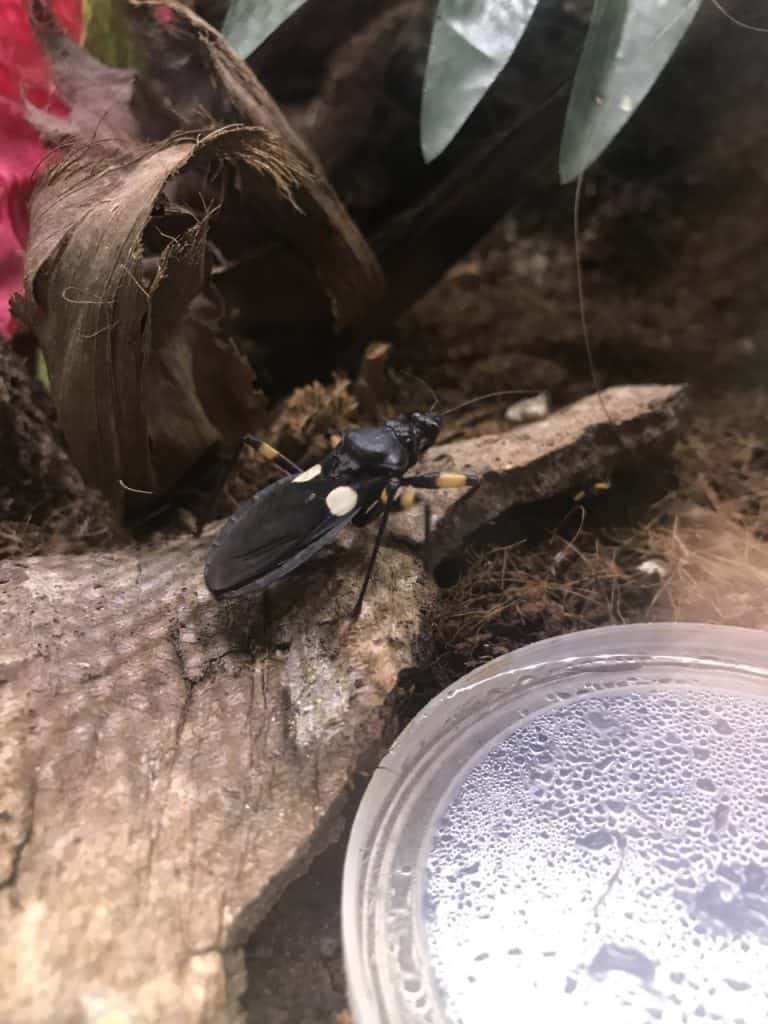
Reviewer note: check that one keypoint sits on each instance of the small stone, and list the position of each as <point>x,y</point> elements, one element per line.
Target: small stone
<point>527,410</point>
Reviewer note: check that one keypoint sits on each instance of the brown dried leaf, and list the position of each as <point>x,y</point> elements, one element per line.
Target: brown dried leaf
<point>199,390</point>
<point>345,265</point>
<point>114,289</point>
<point>129,358</point>
<point>194,81</point>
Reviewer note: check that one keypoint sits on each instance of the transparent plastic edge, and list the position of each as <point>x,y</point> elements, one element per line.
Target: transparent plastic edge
<point>392,787</point>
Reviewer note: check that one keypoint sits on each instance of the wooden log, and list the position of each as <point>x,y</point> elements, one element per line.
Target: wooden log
<point>576,445</point>
<point>168,765</point>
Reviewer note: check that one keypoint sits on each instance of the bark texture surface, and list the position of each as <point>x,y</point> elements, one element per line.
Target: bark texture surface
<point>574,446</point>
<point>168,765</point>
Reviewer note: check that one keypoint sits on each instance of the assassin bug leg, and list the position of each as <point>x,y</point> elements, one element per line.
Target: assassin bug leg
<point>405,498</point>
<point>260,448</point>
<point>438,481</point>
<point>266,451</point>
<point>397,496</point>
<point>427,526</point>
<point>390,491</point>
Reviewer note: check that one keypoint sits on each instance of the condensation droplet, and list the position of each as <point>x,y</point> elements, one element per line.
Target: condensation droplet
<point>591,851</point>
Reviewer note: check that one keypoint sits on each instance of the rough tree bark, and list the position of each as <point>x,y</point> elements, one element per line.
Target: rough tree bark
<point>168,765</point>
<point>570,448</point>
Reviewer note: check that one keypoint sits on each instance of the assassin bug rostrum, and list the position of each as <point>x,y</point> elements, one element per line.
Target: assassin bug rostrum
<point>286,523</point>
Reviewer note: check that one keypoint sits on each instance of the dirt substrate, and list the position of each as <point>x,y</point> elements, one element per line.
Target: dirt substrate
<point>680,538</point>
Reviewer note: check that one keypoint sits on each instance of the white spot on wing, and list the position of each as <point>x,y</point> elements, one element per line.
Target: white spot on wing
<point>308,474</point>
<point>341,500</point>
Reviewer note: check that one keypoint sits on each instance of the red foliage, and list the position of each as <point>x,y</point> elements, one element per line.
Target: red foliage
<point>24,77</point>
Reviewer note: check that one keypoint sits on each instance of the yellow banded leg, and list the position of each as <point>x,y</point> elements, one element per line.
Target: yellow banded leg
<point>260,449</point>
<point>438,481</point>
<point>405,498</point>
<point>595,488</point>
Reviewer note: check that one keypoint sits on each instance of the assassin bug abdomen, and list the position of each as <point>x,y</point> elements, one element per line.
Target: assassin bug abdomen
<point>286,523</point>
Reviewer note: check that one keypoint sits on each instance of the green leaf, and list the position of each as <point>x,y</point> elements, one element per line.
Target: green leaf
<point>249,22</point>
<point>471,42</point>
<point>41,370</point>
<point>628,44</point>
<point>107,33</point>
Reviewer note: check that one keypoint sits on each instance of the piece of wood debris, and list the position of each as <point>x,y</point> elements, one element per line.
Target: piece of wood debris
<point>372,386</point>
<point>580,443</point>
<point>528,410</point>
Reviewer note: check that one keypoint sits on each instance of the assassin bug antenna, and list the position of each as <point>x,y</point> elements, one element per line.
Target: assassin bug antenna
<point>583,311</point>
<point>435,398</point>
<point>419,380</point>
<point>483,398</point>
<point>435,407</point>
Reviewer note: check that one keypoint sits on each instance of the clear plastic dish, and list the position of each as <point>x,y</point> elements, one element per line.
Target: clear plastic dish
<point>577,831</point>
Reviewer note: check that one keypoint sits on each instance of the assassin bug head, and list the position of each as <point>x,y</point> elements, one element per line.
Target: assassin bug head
<point>425,426</point>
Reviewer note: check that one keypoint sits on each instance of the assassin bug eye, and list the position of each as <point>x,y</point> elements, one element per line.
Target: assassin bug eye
<point>426,427</point>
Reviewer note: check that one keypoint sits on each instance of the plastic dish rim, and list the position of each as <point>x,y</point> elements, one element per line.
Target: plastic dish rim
<point>472,700</point>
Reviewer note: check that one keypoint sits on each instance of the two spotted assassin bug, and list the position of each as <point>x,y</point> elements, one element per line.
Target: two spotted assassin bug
<point>363,477</point>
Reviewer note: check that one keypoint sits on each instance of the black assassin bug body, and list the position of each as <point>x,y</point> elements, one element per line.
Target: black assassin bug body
<point>286,523</point>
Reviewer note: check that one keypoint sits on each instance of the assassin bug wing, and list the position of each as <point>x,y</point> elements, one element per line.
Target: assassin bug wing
<point>277,530</point>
